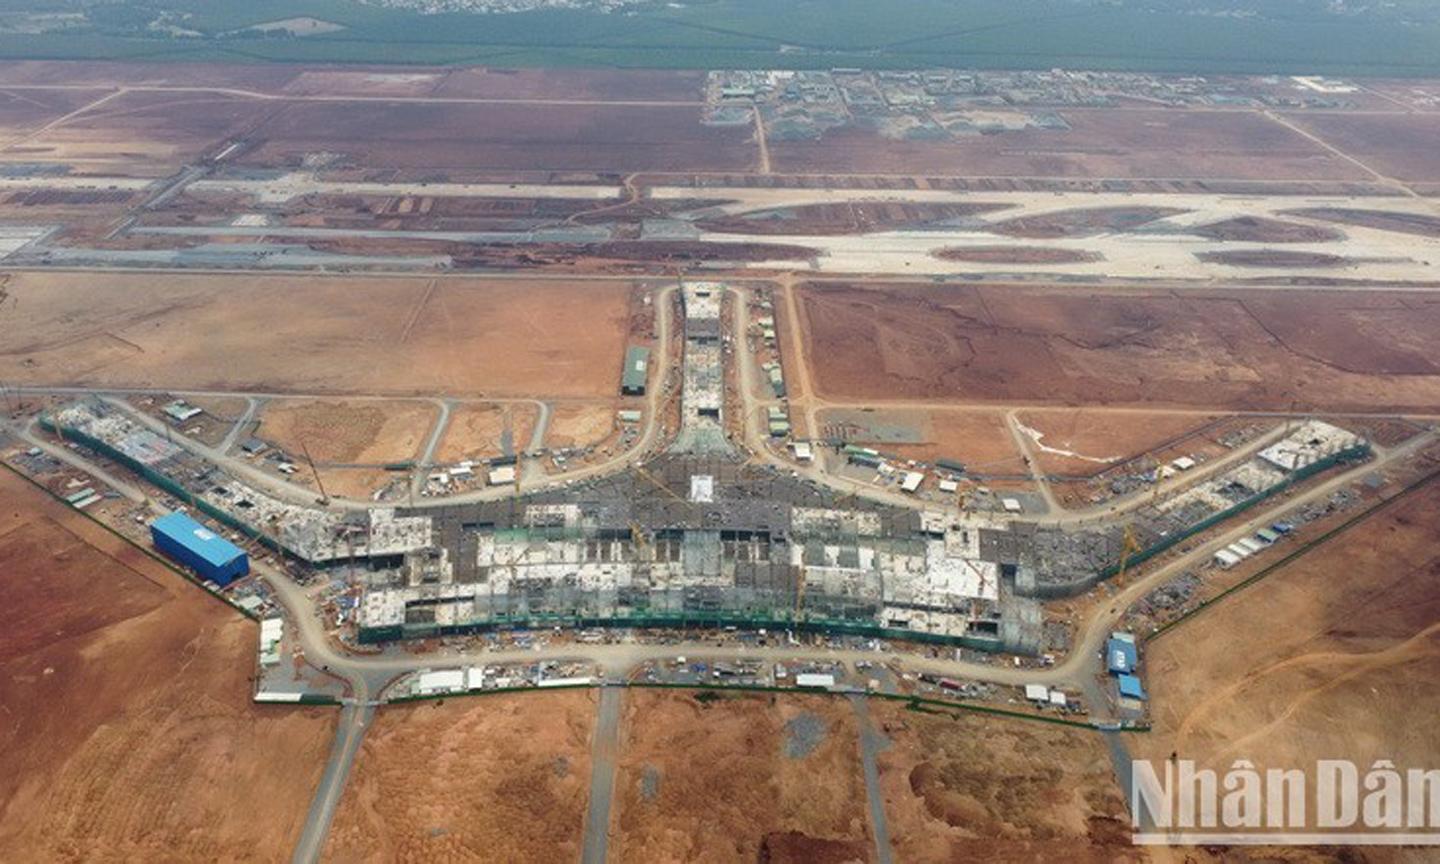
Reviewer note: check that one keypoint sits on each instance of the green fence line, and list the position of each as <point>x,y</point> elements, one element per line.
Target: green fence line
<point>1304,549</point>
<point>762,688</point>
<point>170,565</point>
<point>1349,454</point>
<point>495,691</point>
<point>676,620</point>
<point>165,483</point>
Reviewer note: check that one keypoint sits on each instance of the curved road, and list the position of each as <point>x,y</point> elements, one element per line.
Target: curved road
<point>307,497</point>
<point>366,674</point>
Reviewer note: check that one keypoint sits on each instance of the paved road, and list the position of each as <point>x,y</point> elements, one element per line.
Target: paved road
<point>355,718</point>
<point>542,425</point>
<point>427,455</point>
<point>871,743</point>
<point>300,495</point>
<point>1077,669</point>
<point>252,405</point>
<point>604,749</point>
<point>1022,443</point>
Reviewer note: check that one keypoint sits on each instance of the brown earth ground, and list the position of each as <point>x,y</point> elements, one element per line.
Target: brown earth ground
<point>440,136</point>
<point>724,787</point>
<point>1213,350</point>
<point>314,334</point>
<point>1383,220</point>
<point>1103,434</point>
<point>1082,222</point>
<point>146,133</point>
<point>963,787</point>
<point>1275,258</point>
<point>844,218</point>
<point>1015,255</point>
<point>976,438</point>
<point>225,409</point>
<point>361,431</point>
<point>1401,146</point>
<point>21,114</point>
<point>1100,143</point>
<point>1258,229</point>
<point>476,431</point>
<point>365,432</point>
<point>579,425</point>
<point>1337,656</point>
<point>493,778</point>
<point>667,85</point>
<point>129,732</point>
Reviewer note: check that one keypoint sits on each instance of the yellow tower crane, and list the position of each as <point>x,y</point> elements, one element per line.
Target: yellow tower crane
<point>1131,546</point>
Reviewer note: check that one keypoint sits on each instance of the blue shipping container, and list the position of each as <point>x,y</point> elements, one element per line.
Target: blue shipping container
<point>199,548</point>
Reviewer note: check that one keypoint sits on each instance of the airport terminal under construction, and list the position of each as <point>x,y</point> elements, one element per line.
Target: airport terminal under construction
<point>697,536</point>
<point>974,434</point>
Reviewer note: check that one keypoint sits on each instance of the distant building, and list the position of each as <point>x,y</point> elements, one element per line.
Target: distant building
<point>637,371</point>
<point>180,411</point>
<point>197,547</point>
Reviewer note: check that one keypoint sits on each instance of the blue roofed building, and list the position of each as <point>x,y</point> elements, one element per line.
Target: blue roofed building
<point>1121,655</point>
<point>1130,687</point>
<point>197,547</point>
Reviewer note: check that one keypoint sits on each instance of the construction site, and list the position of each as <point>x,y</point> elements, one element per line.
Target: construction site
<point>778,505</point>
<point>698,536</point>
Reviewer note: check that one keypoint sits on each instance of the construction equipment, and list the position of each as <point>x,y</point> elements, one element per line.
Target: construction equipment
<point>1131,546</point>
<point>637,536</point>
<point>1155,484</point>
<point>324,498</point>
<point>656,482</point>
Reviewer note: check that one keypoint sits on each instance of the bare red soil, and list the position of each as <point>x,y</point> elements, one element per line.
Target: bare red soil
<point>1401,146</point>
<point>845,218</point>
<point>448,136</point>
<point>1214,349</point>
<point>1083,222</point>
<point>1258,229</point>
<point>1274,258</point>
<point>1128,143</point>
<point>1016,255</point>
<point>129,730</point>
<point>1383,220</point>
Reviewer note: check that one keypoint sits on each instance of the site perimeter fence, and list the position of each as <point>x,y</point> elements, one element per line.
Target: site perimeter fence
<point>930,705</point>
<point>166,483</point>
<point>1304,549</point>
<point>711,620</point>
<point>1354,453</point>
